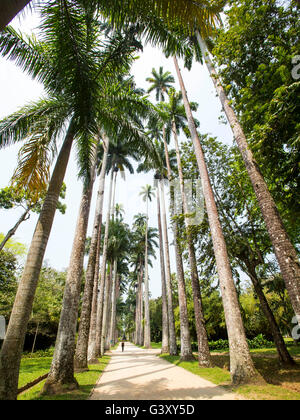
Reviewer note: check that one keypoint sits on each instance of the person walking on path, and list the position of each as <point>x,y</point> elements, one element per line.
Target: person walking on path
<point>123,345</point>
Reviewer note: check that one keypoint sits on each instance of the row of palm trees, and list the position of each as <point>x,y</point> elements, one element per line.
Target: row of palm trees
<point>91,102</point>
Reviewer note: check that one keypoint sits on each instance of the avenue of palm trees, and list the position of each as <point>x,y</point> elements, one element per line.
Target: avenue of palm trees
<point>82,55</point>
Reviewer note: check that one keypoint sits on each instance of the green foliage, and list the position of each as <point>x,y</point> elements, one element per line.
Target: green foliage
<point>38,354</point>
<point>255,53</point>
<point>259,342</point>
<point>16,248</point>
<point>8,282</point>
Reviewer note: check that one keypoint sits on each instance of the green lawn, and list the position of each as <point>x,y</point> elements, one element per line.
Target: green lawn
<point>31,369</point>
<point>281,383</point>
<point>86,380</point>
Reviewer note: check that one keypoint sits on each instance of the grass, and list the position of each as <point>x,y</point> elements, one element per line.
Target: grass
<point>153,345</point>
<point>282,383</point>
<point>86,381</point>
<point>31,369</point>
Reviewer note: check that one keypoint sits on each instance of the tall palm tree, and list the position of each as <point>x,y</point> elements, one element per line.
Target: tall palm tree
<point>138,260</point>
<point>284,250</point>
<point>160,83</point>
<point>169,11</point>
<point>77,97</point>
<point>173,117</point>
<point>178,120</point>
<point>241,365</point>
<point>118,159</point>
<point>165,138</point>
<point>92,272</point>
<point>168,327</point>
<point>62,367</point>
<point>147,194</point>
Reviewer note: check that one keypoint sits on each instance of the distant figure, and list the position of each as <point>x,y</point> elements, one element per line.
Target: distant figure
<point>123,345</point>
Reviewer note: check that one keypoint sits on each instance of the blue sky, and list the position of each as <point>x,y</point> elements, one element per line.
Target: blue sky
<point>18,89</point>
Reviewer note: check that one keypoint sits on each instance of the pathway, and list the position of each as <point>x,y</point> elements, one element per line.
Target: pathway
<point>138,374</point>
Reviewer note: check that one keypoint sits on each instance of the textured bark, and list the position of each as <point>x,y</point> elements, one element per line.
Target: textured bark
<point>12,347</point>
<point>284,250</point>
<point>91,282</point>
<point>103,274</point>
<point>61,375</point>
<point>12,231</point>
<point>113,305</point>
<point>165,321</point>
<point>9,10</point>
<point>283,354</point>
<point>185,339</point>
<point>141,336</point>
<point>147,333</point>
<point>241,365</point>
<point>172,333</point>
<point>105,344</point>
<point>204,357</point>
<point>139,309</point>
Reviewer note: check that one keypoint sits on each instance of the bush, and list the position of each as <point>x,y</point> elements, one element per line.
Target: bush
<point>39,353</point>
<point>259,342</point>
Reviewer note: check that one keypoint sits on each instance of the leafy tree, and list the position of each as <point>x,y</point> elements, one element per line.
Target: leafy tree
<point>11,197</point>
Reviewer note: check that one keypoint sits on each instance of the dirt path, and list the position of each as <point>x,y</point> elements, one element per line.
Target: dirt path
<point>139,374</point>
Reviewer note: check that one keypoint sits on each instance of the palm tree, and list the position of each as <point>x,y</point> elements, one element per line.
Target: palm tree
<point>74,103</point>
<point>284,250</point>
<point>160,82</point>
<point>138,260</point>
<point>168,323</point>
<point>190,14</point>
<point>62,367</point>
<point>92,273</point>
<point>178,120</point>
<point>241,365</point>
<point>147,194</point>
<point>173,117</point>
<point>118,159</point>
<point>153,123</point>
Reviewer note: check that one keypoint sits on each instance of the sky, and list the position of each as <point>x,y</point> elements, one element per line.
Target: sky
<point>17,89</point>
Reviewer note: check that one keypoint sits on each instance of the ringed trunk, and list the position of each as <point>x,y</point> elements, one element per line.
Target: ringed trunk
<point>61,376</point>
<point>10,356</point>
<point>241,366</point>
<point>92,275</point>
<point>284,250</point>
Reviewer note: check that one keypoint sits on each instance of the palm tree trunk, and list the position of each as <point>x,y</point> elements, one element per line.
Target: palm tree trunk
<point>12,231</point>
<point>284,250</point>
<point>105,344</point>
<point>147,333</point>
<point>283,354</point>
<point>61,375</point>
<point>172,333</point>
<point>165,321</point>
<point>9,10</point>
<point>114,304</point>
<point>141,337</point>
<point>185,339</point>
<point>92,275</point>
<point>12,347</point>
<point>108,285</point>
<point>204,357</point>
<point>241,365</point>
<point>139,328</point>
<point>103,271</point>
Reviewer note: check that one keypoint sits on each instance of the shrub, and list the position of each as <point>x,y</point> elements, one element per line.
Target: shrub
<point>39,353</point>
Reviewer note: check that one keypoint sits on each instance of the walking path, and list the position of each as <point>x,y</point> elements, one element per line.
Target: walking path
<point>138,374</point>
